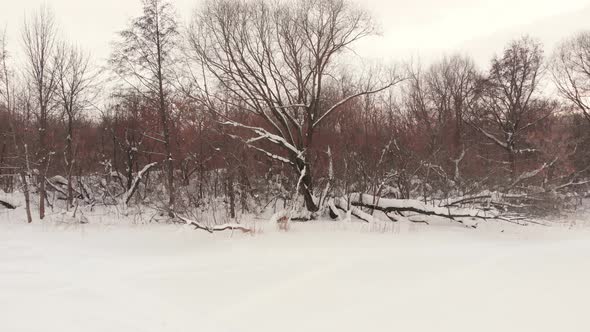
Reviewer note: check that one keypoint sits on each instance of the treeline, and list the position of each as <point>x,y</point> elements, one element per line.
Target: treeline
<point>253,98</point>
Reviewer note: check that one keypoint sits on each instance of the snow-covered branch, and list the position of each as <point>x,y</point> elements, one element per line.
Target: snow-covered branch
<point>533,173</point>
<point>349,98</point>
<point>492,138</point>
<point>265,134</point>
<point>129,193</point>
<point>389,205</point>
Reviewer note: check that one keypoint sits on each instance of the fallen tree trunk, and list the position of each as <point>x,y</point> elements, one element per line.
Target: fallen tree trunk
<point>213,228</point>
<point>531,202</point>
<point>57,181</point>
<point>401,206</point>
<point>355,211</point>
<point>467,200</point>
<point>7,205</point>
<point>389,205</point>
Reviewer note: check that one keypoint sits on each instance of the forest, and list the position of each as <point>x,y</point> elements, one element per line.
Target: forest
<point>258,105</point>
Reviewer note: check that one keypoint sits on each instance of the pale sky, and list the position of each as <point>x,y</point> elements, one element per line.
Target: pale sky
<point>418,28</point>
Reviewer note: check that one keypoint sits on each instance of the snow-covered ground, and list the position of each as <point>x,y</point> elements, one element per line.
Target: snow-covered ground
<point>322,276</point>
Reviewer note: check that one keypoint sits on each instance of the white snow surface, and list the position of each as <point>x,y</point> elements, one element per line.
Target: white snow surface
<point>115,275</point>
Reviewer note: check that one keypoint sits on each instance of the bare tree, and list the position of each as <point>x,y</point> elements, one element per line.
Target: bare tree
<point>570,67</point>
<point>144,59</point>
<point>74,81</point>
<point>128,117</point>
<point>9,100</point>
<point>434,103</point>
<point>510,105</point>
<point>274,61</point>
<point>453,87</point>
<point>5,103</point>
<point>39,34</point>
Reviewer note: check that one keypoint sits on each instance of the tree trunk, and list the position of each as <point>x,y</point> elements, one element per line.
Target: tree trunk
<point>245,187</point>
<point>458,132</point>
<point>307,190</point>
<point>129,167</point>
<point>23,177</point>
<point>25,171</point>
<point>309,202</point>
<point>169,164</point>
<point>232,195</point>
<point>512,161</point>
<point>4,181</point>
<point>70,161</point>
<point>164,119</point>
<point>43,162</point>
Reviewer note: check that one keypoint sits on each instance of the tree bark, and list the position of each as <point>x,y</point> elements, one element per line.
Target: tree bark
<point>44,161</point>
<point>164,119</point>
<point>70,161</point>
<point>232,195</point>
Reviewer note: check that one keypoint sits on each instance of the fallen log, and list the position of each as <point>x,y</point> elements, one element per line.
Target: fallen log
<point>7,205</point>
<point>468,200</point>
<point>389,205</point>
<point>404,206</point>
<point>57,181</point>
<point>364,216</point>
<point>213,228</point>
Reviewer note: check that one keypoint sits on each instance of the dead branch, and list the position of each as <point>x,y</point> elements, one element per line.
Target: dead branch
<point>129,193</point>
<point>213,228</point>
<point>7,205</point>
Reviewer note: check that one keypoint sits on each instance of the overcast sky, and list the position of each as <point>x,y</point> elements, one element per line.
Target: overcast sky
<point>410,28</point>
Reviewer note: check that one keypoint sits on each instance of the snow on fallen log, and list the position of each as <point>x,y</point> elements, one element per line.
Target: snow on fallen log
<point>55,186</point>
<point>213,228</point>
<point>388,205</point>
<point>60,184</point>
<point>58,180</point>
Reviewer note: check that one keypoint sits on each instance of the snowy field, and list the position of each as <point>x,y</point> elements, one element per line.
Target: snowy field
<point>325,276</point>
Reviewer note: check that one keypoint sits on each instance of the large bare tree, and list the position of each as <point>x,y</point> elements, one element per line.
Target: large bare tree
<point>144,59</point>
<point>275,61</point>
<point>511,104</point>
<point>570,67</point>
<point>39,36</point>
